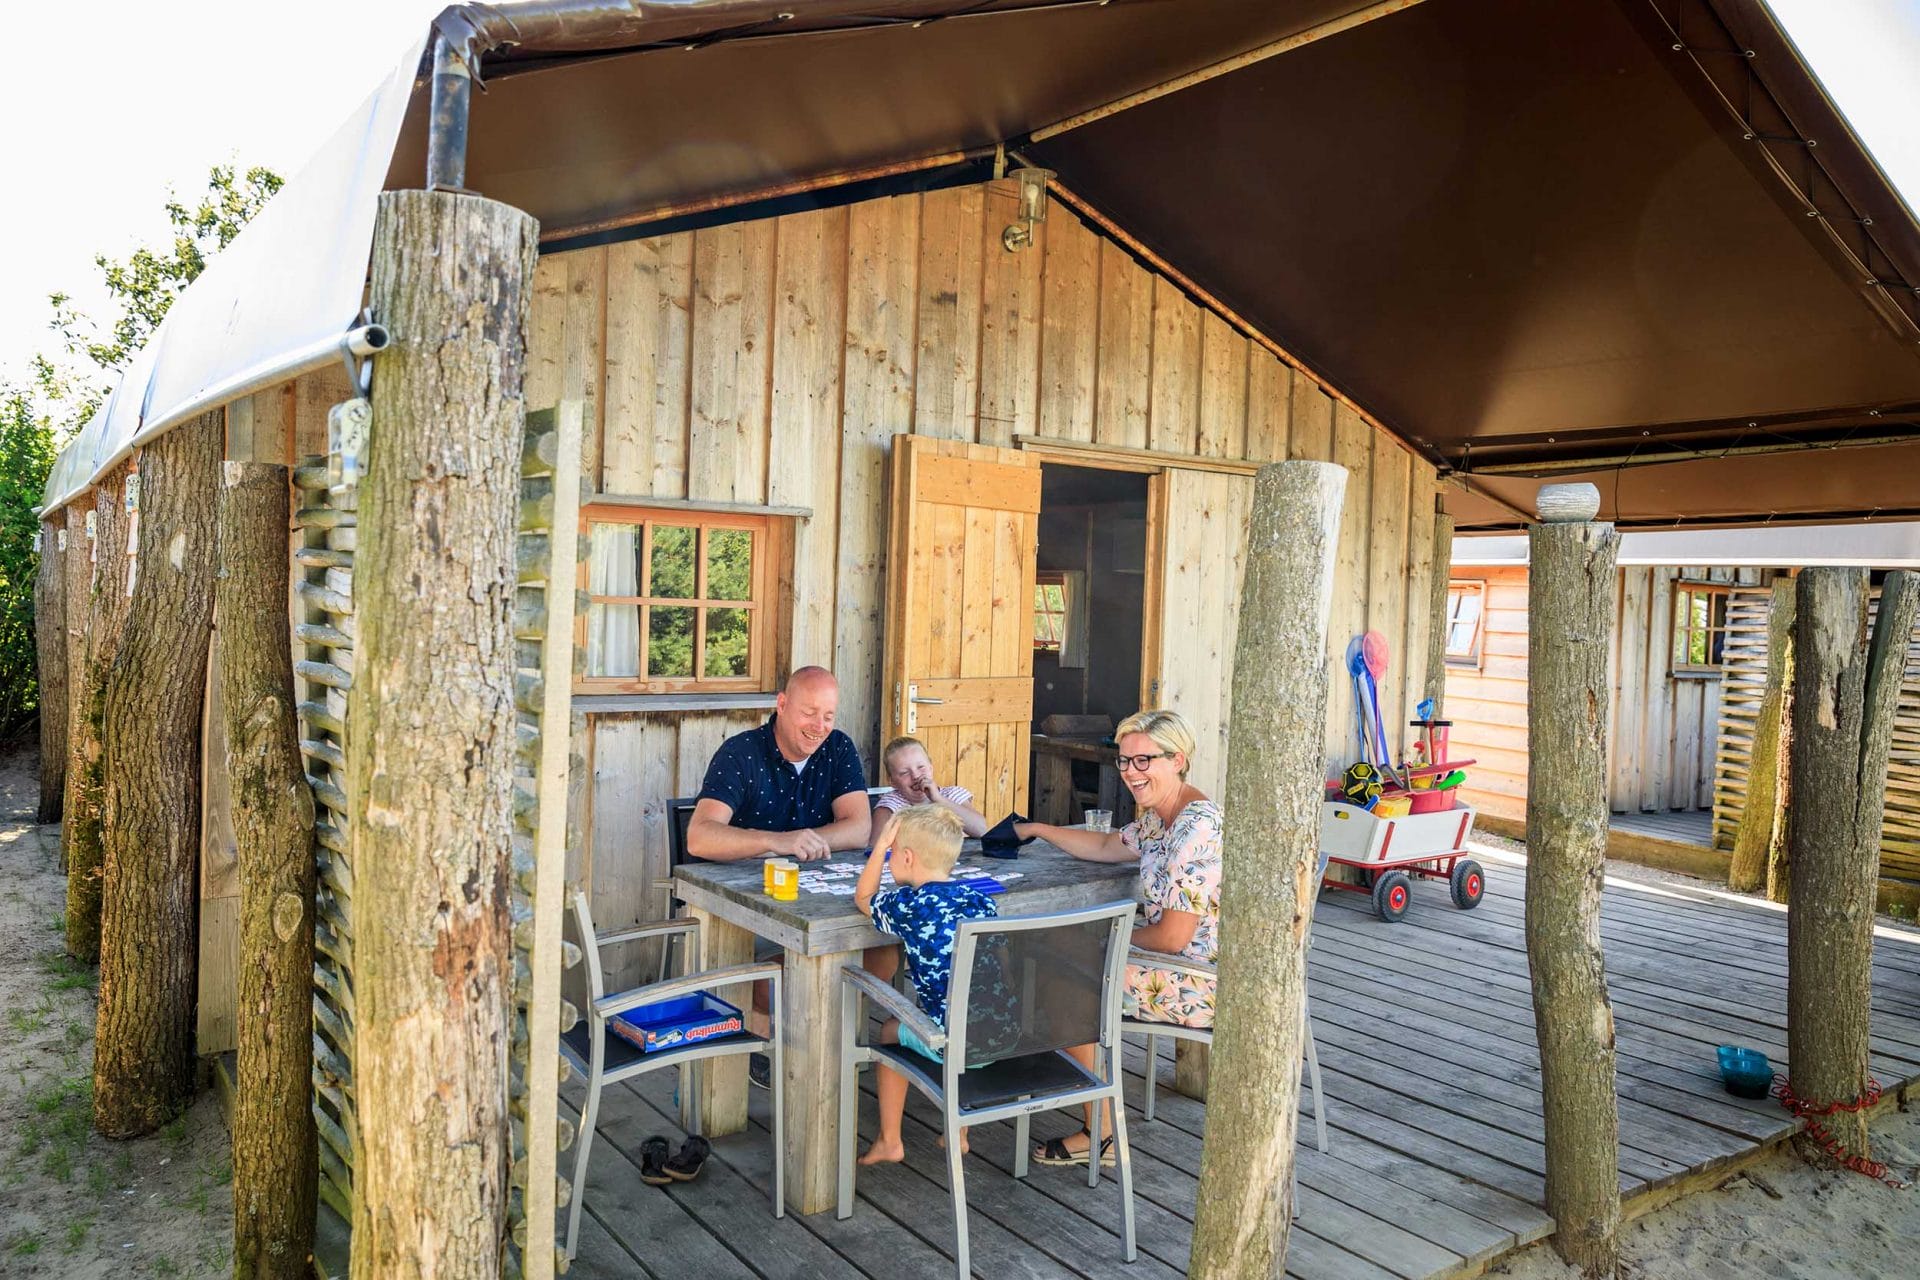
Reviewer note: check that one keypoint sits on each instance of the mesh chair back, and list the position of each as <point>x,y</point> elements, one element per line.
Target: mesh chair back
<point>1038,983</point>
<point>679,818</point>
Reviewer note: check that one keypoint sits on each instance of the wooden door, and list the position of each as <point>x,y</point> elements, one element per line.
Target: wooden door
<point>960,573</point>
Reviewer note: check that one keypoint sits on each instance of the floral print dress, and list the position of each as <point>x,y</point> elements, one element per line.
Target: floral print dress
<point>1179,871</point>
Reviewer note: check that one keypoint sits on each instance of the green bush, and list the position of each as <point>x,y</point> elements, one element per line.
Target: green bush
<point>26,453</point>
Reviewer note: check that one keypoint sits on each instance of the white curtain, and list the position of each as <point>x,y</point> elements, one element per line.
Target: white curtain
<point>613,630</point>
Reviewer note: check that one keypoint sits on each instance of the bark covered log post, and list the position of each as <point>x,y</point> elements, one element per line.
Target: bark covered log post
<point>1845,695</point>
<point>431,745</point>
<point>77,568</point>
<point>1272,837</point>
<point>1437,614</point>
<point>1571,576</point>
<point>155,696</point>
<point>104,594</point>
<point>1759,842</point>
<point>274,1157</point>
<point>50,654</point>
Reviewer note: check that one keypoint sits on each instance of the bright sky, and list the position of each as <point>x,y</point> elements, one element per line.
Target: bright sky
<point>108,103</point>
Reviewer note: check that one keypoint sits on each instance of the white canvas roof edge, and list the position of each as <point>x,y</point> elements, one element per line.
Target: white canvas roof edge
<point>1892,544</point>
<point>279,301</point>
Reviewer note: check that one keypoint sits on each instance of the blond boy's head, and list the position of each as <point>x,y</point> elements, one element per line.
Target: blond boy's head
<point>931,836</point>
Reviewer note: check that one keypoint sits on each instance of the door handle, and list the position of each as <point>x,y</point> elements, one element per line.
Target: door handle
<point>929,702</point>
<point>914,700</point>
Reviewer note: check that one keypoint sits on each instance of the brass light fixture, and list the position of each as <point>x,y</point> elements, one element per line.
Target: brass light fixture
<point>1033,208</point>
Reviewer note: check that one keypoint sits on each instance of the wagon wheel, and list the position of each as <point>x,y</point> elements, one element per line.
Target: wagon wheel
<point>1469,884</point>
<point>1392,892</point>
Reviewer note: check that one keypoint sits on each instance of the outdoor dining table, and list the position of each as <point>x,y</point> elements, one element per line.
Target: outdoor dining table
<point>820,932</point>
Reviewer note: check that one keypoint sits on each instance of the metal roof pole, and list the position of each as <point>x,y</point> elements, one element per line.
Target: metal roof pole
<point>447,127</point>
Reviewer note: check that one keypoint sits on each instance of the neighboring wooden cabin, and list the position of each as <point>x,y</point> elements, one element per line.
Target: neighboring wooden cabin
<point>1688,664</point>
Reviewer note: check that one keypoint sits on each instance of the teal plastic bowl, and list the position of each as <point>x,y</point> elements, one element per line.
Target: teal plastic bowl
<point>1746,1072</point>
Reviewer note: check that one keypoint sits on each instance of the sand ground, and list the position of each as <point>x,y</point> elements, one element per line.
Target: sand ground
<point>74,1204</point>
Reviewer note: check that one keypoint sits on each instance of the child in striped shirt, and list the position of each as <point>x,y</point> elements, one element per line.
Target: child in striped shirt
<point>911,773</point>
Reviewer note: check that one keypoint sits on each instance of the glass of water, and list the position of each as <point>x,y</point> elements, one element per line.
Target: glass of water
<point>1099,819</point>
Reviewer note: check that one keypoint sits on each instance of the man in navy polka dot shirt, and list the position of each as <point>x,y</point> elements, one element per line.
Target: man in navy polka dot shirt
<point>793,787</point>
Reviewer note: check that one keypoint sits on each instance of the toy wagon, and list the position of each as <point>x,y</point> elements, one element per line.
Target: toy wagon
<point>1390,852</point>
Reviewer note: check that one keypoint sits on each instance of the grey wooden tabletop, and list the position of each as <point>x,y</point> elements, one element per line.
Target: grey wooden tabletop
<point>817,923</point>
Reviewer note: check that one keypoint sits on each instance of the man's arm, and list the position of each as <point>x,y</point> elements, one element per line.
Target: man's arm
<point>852,823</point>
<point>711,836</point>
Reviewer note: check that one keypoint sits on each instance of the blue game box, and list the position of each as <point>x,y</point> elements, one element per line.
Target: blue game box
<point>675,1023</point>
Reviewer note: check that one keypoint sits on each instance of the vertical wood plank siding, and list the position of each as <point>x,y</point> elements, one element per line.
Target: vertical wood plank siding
<point>774,361</point>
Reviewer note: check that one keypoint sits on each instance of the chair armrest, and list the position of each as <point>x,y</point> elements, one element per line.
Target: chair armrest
<point>608,1006</point>
<point>909,1013</point>
<point>1177,964</point>
<point>646,929</point>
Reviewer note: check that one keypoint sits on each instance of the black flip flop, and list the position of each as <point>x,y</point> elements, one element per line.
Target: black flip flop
<point>1055,1152</point>
<point>653,1161</point>
<point>690,1159</point>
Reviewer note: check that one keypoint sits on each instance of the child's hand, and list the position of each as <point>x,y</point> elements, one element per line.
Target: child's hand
<point>888,830</point>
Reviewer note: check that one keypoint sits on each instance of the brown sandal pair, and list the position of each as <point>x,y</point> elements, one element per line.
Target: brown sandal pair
<point>1056,1152</point>
<point>658,1169</point>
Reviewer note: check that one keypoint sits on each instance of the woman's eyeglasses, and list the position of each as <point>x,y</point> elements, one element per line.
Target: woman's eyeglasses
<point>1141,762</point>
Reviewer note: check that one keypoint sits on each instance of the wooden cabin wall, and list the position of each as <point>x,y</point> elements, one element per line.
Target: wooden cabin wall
<point>1662,729</point>
<point>280,424</point>
<point>1488,704</point>
<point>770,362</point>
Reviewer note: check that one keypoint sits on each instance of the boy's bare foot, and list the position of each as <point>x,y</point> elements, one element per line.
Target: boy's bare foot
<point>885,1152</point>
<point>965,1146</point>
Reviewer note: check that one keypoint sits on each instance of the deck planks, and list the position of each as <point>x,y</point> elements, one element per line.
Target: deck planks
<point>1426,1045</point>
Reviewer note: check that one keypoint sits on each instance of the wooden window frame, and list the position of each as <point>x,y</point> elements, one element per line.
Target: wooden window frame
<point>1051,578</point>
<point>1717,593</point>
<point>1476,657</point>
<point>765,597</point>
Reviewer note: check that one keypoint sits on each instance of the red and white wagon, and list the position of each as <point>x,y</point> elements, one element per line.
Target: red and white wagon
<point>1391,852</point>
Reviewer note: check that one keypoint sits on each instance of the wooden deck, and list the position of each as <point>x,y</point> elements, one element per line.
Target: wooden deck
<point>1682,826</point>
<point>1426,1041</point>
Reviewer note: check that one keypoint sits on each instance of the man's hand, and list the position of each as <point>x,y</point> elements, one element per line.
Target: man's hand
<point>807,846</point>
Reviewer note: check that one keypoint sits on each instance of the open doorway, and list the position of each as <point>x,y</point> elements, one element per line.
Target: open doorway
<point>1090,595</point>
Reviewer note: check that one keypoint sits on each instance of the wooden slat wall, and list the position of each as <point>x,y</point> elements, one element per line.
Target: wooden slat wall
<point>1900,836</point>
<point>775,360</point>
<point>1663,730</point>
<point>1488,706</point>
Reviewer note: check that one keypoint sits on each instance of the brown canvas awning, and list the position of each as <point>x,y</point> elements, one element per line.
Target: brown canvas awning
<point>1629,240</point>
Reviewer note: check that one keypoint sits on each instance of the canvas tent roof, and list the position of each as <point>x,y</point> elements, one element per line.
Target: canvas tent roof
<point>1523,236</point>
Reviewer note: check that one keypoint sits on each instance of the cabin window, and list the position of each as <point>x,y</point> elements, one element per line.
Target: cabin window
<point>1465,615</point>
<point>1699,625</point>
<point>1060,615</point>
<point>679,601</point>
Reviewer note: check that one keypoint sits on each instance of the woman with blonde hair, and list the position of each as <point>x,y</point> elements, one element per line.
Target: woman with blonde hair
<point>1175,837</point>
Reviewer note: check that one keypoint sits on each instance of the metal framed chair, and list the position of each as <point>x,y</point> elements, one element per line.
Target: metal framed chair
<point>1154,1032</point>
<point>1024,989</point>
<point>605,1057</point>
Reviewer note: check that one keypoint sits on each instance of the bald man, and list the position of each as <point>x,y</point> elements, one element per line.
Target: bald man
<point>793,787</point>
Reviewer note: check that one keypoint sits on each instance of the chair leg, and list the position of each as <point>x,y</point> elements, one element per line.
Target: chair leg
<point>1022,1143</point>
<point>690,1096</point>
<point>583,1143</point>
<point>1093,1140</point>
<point>850,1009</point>
<point>1313,1079</point>
<point>1123,1162</point>
<point>778,1081</point>
<point>956,1179</point>
<point>1153,1076</point>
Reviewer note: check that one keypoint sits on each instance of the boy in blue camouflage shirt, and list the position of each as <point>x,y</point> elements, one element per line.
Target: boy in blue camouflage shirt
<point>924,910</point>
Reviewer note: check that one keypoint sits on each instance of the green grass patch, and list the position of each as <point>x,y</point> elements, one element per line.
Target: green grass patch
<point>24,1244</point>
<point>77,1232</point>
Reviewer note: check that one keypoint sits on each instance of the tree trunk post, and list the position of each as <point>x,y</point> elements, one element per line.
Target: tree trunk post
<point>1273,799</point>
<point>77,570</point>
<point>1437,613</point>
<point>431,737</point>
<point>1571,576</point>
<point>274,1155</point>
<point>106,598</point>
<point>50,658</point>
<point>1762,831</point>
<point>155,699</point>
<point>1845,695</point>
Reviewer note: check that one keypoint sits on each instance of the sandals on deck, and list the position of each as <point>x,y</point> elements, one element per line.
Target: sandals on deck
<point>658,1169</point>
<point>1055,1152</point>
